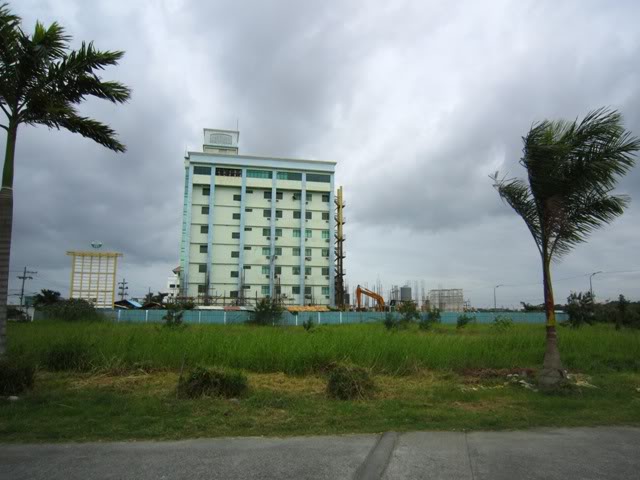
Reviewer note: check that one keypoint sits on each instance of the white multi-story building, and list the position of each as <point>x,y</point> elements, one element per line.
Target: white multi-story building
<point>254,226</point>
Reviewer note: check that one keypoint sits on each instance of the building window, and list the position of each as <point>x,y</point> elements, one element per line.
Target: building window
<point>233,294</point>
<point>204,229</point>
<point>228,172</point>
<point>307,252</point>
<point>278,213</point>
<point>307,271</point>
<point>235,254</point>
<point>295,270</point>
<point>202,268</point>
<point>308,233</point>
<point>202,289</point>
<point>277,270</point>
<point>247,267</point>
<point>248,191</point>
<point>237,197</point>
<point>325,252</point>
<point>235,235</point>
<point>234,274</point>
<point>296,233</point>
<point>297,214</point>
<point>278,232</point>
<point>309,197</point>
<point>203,249</point>
<point>325,290</point>
<point>248,209</point>
<point>325,215</point>
<point>325,234</point>
<point>266,232</point>
<point>325,271</point>
<point>202,170</point>
<point>307,290</point>
<point>267,194</point>
<point>278,195</point>
<point>265,269</point>
<point>248,229</point>
<point>308,215</point>
<point>236,216</point>
<point>259,174</point>
<point>316,177</point>
<point>266,213</point>
<point>296,251</point>
<point>206,191</point>
<point>278,250</point>
<point>265,290</point>
<point>297,195</point>
<point>266,251</point>
<point>247,248</point>
<point>205,210</point>
<point>325,197</point>
<point>295,290</point>
<point>289,176</point>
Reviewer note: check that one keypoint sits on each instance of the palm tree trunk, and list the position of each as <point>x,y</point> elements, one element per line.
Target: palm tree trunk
<point>552,372</point>
<point>6,222</point>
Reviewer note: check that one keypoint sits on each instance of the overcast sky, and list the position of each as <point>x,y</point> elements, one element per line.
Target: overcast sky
<point>417,102</point>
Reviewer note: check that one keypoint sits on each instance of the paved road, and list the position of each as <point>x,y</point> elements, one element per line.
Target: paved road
<point>579,453</point>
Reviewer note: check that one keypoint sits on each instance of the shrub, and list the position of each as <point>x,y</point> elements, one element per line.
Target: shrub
<point>202,382</point>
<point>69,355</point>
<point>581,310</point>
<point>268,311</point>
<point>464,320</point>
<point>15,377</point>
<point>389,321</point>
<point>308,324</point>
<point>173,317</point>
<point>72,310</point>
<point>348,382</point>
<point>502,323</point>
<point>15,314</point>
<point>431,318</point>
<point>409,312</point>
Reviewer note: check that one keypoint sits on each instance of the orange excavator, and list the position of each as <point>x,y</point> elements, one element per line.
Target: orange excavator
<point>378,298</point>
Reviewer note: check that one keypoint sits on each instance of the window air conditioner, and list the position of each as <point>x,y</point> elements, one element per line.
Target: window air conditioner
<point>307,258</point>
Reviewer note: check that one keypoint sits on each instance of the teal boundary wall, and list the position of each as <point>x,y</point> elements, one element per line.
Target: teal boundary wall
<point>219,317</point>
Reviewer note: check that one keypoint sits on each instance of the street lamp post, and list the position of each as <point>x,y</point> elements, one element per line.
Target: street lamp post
<point>494,297</point>
<point>591,283</point>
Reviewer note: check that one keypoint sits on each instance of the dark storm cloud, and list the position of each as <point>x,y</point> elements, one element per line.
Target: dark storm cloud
<point>417,102</point>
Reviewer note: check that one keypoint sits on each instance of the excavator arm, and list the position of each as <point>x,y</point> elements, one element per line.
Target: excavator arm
<point>364,291</point>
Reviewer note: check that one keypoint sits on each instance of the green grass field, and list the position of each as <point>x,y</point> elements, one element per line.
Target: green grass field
<point>439,380</point>
<point>294,351</point>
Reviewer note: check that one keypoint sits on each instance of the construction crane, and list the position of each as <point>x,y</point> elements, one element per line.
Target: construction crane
<point>378,298</point>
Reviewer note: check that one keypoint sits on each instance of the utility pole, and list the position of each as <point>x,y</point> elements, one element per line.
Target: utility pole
<point>494,296</point>
<point>26,275</point>
<point>123,289</point>
<point>591,283</point>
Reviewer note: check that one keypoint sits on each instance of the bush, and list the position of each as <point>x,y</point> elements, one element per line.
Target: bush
<point>15,377</point>
<point>348,382</point>
<point>202,382</point>
<point>15,314</point>
<point>72,310</point>
<point>581,309</point>
<point>69,355</point>
<point>173,317</point>
<point>308,324</point>
<point>432,317</point>
<point>268,312</point>
<point>502,323</point>
<point>389,321</point>
<point>409,312</point>
<point>464,320</point>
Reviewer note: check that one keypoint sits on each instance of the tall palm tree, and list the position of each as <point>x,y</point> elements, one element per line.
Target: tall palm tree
<point>572,169</point>
<point>41,82</point>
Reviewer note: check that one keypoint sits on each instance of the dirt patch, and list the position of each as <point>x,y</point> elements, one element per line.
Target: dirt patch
<point>282,383</point>
<point>475,375</point>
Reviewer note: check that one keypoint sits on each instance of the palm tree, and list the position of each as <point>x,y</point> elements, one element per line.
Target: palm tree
<point>572,169</point>
<point>41,82</point>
